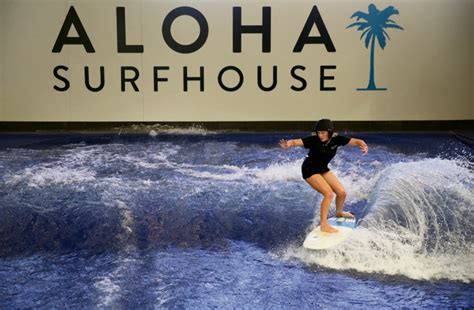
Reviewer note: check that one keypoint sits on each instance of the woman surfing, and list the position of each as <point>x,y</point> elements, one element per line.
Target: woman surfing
<point>322,148</point>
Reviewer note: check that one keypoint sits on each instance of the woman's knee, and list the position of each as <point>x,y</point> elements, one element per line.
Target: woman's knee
<point>328,195</point>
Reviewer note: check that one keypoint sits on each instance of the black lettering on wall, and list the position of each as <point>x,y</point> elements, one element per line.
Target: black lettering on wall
<point>203,30</point>
<point>132,80</point>
<point>122,46</point>
<point>61,78</point>
<point>221,74</point>
<point>299,78</point>
<point>157,79</point>
<point>239,29</point>
<point>314,18</point>
<point>200,78</point>
<point>87,79</point>
<point>259,79</point>
<point>72,19</point>
<point>323,77</point>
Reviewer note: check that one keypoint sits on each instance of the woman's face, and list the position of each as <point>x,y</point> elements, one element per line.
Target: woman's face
<point>323,135</point>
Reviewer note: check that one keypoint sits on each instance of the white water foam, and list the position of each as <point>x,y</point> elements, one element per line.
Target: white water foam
<point>155,129</point>
<point>419,225</point>
<point>112,286</point>
<point>287,171</point>
<point>78,165</point>
<point>44,175</point>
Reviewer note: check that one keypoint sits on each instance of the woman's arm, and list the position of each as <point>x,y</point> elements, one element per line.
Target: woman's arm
<point>289,143</point>
<point>361,144</point>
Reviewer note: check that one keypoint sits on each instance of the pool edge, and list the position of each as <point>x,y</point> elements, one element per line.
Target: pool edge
<point>252,126</point>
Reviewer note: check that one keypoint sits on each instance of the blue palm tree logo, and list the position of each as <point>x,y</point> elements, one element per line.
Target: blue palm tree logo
<point>373,28</point>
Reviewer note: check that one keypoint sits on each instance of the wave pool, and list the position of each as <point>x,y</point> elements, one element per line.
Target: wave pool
<point>197,219</point>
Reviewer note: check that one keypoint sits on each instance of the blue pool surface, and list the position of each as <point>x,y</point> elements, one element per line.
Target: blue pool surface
<point>196,219</point>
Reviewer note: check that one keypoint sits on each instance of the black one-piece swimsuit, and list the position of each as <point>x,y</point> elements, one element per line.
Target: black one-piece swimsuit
<point>320,154</point>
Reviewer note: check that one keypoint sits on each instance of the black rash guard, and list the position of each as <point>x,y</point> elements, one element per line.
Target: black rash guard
<point>320,154</point>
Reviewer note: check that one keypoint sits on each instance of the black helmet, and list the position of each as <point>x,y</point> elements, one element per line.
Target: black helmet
<point>325,124</point>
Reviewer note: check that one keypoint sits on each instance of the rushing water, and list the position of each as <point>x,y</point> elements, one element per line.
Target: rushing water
<point>196,219</point>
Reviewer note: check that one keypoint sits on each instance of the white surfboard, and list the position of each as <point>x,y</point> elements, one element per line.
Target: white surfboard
<point>318,240</point>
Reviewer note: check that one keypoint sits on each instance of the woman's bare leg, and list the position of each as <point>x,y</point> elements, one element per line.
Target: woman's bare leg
<point>338,188</point>
<point>318,183</point>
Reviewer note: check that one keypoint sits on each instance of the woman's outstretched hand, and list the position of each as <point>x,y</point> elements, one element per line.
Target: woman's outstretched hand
<point>284,144</point>
<point>363,147</point>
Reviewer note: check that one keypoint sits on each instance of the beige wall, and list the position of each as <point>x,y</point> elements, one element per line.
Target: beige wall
<point>471,52</point>
<point>427,68</point>
<point>2,61</point>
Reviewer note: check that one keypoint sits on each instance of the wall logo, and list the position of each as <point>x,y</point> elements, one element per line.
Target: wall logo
<point>373,27</point>
<point>132,78</point>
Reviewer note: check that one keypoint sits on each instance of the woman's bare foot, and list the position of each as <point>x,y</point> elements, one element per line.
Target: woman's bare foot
<point>345,214</point>
<point>328,228</point>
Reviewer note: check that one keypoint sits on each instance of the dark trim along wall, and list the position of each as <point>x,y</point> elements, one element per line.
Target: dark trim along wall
<point>282,126</point>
